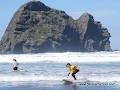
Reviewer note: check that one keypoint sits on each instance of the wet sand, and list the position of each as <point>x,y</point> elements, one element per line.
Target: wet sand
<point>39,86</point>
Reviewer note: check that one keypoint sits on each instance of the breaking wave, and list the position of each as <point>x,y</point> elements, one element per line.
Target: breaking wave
<point>63,57</point>
<point>34,78</point>
<point>110,75</point>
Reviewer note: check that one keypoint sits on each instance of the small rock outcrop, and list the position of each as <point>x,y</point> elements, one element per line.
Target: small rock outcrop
<point>37,28</point>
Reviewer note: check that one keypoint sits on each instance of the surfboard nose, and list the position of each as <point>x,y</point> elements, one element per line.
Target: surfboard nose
<point>67,82</point>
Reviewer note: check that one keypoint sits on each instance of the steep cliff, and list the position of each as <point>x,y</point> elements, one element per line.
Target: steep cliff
<point>37,28</point>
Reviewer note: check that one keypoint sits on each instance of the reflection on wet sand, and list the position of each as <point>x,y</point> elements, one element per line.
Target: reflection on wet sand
<point>71,87</point>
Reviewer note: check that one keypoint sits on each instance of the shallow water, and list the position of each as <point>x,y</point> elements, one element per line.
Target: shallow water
<point>46,71</point>
<point>103,72</point>
<point>39,86</point>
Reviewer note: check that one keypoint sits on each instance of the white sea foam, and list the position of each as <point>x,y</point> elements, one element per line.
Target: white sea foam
<point>110,74</point>
<point>64,57</point>
<point>19,78</point>
<point>105,79</point>
<point>33,78</point>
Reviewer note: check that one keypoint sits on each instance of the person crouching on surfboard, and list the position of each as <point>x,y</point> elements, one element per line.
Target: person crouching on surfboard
<point>72,70</point>
<point>15,65</point>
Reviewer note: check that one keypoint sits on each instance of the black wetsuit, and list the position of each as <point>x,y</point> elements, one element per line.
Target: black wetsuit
<point>73,74</point>
<point>15,65</point>
<point>15,68</point>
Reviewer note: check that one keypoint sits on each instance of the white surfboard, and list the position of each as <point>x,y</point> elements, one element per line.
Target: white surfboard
<point>67,81</point>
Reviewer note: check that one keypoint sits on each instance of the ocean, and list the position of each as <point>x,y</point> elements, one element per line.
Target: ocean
<point>46,71</point>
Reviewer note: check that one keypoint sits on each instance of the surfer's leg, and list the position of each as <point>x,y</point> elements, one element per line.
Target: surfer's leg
<point>73,75</point>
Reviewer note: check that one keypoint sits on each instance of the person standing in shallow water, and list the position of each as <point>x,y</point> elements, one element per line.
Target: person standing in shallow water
<point>72,70</point>
<point>15,65</point>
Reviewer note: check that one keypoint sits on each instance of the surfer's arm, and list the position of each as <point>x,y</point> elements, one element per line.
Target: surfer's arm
<point>68,73</point>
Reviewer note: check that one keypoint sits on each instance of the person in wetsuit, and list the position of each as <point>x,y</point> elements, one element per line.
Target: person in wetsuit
<point>15,65</point>
<point>72,70</point>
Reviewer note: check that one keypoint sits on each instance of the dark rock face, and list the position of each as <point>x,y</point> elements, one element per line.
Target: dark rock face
<point>36,28</point>
<point>93,35</point>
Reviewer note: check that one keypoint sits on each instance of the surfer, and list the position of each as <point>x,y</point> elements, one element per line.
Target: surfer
<point>72,70</point>
<point>15,65</point>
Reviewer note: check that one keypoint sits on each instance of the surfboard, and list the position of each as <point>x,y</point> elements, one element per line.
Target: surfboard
<point>67,81</point>
<point>20,70</point>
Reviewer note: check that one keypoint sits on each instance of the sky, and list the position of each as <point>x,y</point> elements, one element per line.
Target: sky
<point>106,11</point>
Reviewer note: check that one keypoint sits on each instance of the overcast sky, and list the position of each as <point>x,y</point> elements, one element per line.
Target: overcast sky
<point>106,11</point>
